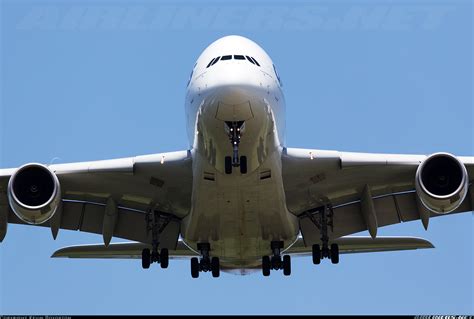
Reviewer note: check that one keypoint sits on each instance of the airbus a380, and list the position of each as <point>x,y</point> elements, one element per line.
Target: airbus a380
<point>238,199</point>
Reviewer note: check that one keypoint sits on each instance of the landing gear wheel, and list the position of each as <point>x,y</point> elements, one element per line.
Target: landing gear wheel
<point>286,265</point>
<point>146,258</point>
<point>164,258</point>
<point>243,164</point>
<point>266,266</point>
<point>215,267</point>
<point>228,165</point>
<point>316,254</point>
<point>194,267</point>
<point>334,253</point>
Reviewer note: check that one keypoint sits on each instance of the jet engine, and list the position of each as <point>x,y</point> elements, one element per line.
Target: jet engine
<point>441,183</point>
<point>34,193</point>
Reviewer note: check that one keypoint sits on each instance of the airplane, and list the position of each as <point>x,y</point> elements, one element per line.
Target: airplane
<point>238,200</point>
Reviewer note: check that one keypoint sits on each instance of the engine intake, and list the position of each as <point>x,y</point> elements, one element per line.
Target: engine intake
<point>441,183</point>
<point>34,193</point>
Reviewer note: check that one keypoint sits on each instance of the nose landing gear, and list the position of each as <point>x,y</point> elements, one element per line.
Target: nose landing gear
<point>234,131</point>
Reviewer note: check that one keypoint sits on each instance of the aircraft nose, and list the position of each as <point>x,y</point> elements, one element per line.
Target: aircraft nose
<point>232,94</point>
<point>235,83</point>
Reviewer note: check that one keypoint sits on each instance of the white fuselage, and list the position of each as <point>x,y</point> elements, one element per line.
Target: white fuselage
<point>238,214</point>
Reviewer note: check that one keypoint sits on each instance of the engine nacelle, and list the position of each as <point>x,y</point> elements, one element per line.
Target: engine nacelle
<point>34,193</point>
<point>441,183</point>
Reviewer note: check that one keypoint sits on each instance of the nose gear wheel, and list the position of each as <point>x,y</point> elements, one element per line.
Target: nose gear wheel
<point>234,131</point>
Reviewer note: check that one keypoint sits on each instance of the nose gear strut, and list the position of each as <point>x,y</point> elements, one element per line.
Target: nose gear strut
<point>234,131</point>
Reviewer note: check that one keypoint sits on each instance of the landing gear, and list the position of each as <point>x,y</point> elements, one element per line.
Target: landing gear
<point>195,267</point>
<point>322,219</point>
<point>331,253</point>
<point>146,258</point>
<point>334,253</point>
<point>206,263</point>
<point>234,130</point>
<point>215,267</point>
<point>156,223</point>
<point>286,265</point>
<point>149,257</point>
<point>276,262</point>
<point>164,258</point>
<point>316,254</point>
<point>266,266</point>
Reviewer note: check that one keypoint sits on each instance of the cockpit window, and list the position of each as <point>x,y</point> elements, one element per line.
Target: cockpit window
<point>255,61</point>
<point>215,60</point>
<point>229,57</point>
<point>210,63</point>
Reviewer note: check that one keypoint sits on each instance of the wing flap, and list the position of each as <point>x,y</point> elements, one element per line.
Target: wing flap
<point>89,217</point>
<point>350,245</point>
<point>119,251</point>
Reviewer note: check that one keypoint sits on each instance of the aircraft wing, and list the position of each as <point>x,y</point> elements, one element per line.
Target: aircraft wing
<point>314,178</point>
<point>347,245</point>
<point>137,184</point>
<point>131,250</point>
<point>359,244</point>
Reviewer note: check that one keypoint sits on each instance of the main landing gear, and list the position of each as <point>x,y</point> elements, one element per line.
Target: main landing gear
<point>234,130</point>
<point>156,223</point>
<point>322,219</point>
<point>206,263</point>
<point>276,262</point>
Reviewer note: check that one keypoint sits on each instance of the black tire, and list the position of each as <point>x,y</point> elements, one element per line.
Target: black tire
<point>243,164</point>
<point>215,267</point>
<point>146,258</point>
<point>164,258</point>
<point>194,267</point>
<point>286,265</point>
<point>266,266</point>
<point>228,165</point>
<point>316,254</point>
<point>334,253</point>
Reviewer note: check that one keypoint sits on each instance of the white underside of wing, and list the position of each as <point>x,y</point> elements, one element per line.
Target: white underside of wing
<point>350,245</point>
<point>126,250</point>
